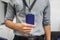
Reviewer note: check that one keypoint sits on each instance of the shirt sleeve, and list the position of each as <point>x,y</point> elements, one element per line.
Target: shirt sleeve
<point>5,1</point>
<point>10,12</point>
<point>46,15</point>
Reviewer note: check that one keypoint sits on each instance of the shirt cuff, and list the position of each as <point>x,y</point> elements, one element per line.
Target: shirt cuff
<point>46,23</point>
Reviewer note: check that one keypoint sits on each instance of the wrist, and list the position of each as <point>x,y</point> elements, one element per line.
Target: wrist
<point>16,26</point>
<point>47,38</point>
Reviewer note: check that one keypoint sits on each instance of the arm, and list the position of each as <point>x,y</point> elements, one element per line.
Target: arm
<point>22,27</point>
<point>47,32</point>
<point>46,22</point>
<point>10,16</point>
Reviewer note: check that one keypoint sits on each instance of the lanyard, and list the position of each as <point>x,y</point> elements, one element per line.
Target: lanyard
<point>30,8</point>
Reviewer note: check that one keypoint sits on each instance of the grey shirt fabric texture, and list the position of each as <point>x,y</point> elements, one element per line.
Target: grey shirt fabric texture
<point>41,10</point>
<point>6,1</point>
<point>2,14</point>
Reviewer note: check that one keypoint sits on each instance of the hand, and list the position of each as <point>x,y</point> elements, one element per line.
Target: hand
<point>24,27</point>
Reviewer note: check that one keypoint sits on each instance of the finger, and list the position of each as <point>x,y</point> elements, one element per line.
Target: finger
<point>29,25</point>
<point>27,31</point>
<point>27,28</point>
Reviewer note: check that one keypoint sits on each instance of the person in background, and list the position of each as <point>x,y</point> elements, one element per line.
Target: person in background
<point>23,30</point>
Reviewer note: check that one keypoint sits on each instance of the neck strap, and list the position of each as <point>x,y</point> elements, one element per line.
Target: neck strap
<point>30,8</point>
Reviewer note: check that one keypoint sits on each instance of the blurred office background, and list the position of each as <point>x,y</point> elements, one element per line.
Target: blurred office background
<point>55,20</point>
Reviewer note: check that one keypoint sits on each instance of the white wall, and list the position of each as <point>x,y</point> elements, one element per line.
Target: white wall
<point>55,15</point>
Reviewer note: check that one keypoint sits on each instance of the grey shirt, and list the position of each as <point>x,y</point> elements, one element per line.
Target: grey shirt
<point>2,11</point>
<point>6,1</point>
<point>41,10</point>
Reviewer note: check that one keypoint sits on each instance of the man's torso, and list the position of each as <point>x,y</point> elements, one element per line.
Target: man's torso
<point>38,12</point>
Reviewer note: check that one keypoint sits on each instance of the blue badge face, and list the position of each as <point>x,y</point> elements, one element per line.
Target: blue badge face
<point>30,18</point>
